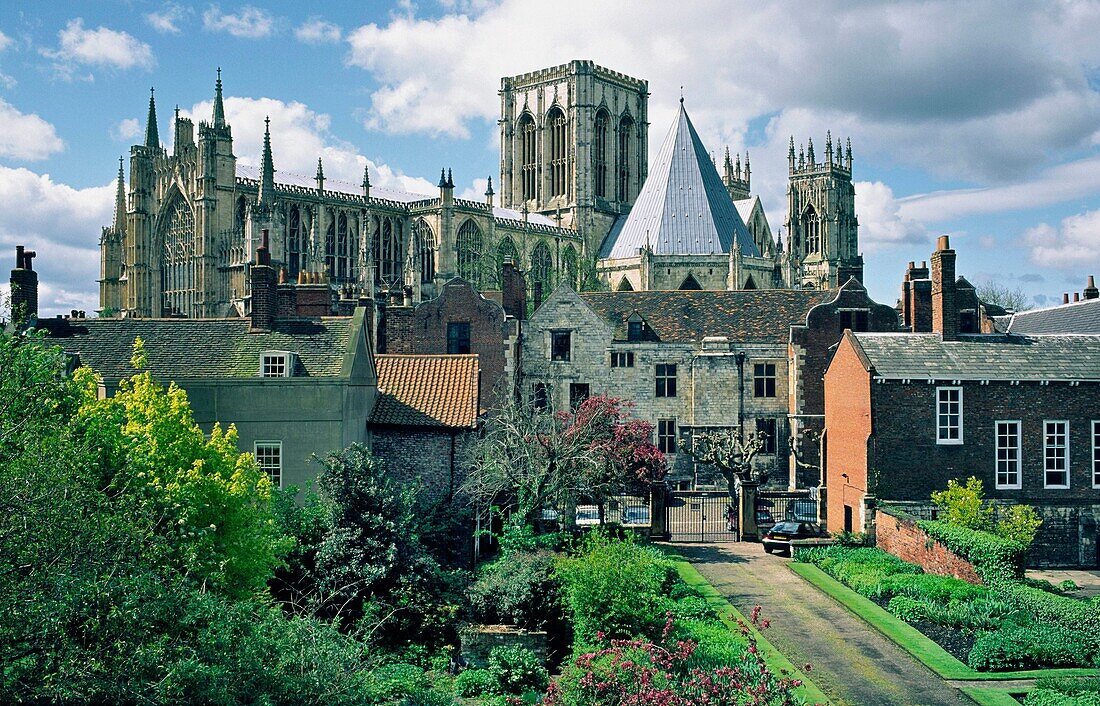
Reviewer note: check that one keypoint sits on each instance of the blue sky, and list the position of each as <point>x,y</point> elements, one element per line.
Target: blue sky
<point>976,119</point>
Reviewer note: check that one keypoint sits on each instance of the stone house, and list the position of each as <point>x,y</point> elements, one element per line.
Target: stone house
<point>426,413</point>
<point>905,413</point>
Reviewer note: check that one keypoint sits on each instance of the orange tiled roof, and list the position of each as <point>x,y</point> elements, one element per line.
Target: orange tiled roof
<point>427,391</point>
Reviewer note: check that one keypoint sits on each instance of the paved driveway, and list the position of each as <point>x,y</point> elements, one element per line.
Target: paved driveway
<point>851,661</point>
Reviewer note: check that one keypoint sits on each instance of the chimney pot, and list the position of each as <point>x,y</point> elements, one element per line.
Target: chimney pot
<point>943,243</point>
<point>1076,297</point>
<point>1065,297</point>
<point>1090,290</point>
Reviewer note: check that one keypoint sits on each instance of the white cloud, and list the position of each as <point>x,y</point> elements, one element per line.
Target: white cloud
<point>125,130</point>
<point>100,47</point>
<point>318,31</point>
<point>248,23</point>
<point>5,41</point>
<point>167,20</point>
<point>26,137</point>
<point>881,224</point>
<point>62,225</point>
<point>1075,241</point>
<point>299,136</point>
<point>986,95</point>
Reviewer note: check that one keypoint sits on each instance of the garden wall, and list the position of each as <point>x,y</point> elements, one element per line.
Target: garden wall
<point>901,537</point>
<point>479,640</point>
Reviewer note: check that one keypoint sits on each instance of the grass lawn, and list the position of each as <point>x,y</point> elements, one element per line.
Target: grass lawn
<point>915,642</point>
<point>991,697</point>
<point>729,615</point>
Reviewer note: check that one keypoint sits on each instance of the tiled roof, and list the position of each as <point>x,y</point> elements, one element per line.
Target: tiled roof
<point>1078,317</point>
<point>181,349</point>
<point>427,391</point>
<point>689,316</point>
<point>924,356</point>
<point>683,207</point>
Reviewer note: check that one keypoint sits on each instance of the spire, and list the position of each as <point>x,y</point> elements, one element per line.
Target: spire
<point>790,152</point>
<point>442,178</point>
<point>489,192</point>
<point>219,107</point>
<point>120,200</point>
<point>810,152</point>
<point>848,157</point>
<point>727,166</point>
<point>737,168</point>
<point>152,137</point>
<point>450,181</point>
<point>829,146</point>
<point>267,177</point>
<point>320,176</point>
<point>748,171</point>
<point>366,181</point>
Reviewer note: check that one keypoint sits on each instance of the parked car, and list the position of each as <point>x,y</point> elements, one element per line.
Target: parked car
<point>779,537</point>
<point>587,515</point>
<point>634,515</point>
<point>801,511</point>
<point>764,517</point>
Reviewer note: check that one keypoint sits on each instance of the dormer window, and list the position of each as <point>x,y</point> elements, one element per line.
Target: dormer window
<point>635,328</point>
<point>276,364</point>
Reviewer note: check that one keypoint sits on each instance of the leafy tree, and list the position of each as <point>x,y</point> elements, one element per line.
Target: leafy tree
<point>961,504</point>
<point>731,452</point>
<point>1011,298</point>
<point>1019,523</point>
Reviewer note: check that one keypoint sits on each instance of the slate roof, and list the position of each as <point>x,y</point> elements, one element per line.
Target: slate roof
<point>1077,317</point>
<point>744,208</point>
<point>284,178</point>
<point>683,207</point>
<point>688,316</point>
<point>923,356</point>
<point>180,349</point>
<point>436,391</point>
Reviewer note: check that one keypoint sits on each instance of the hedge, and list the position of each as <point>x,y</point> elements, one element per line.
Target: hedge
<point>993,557</point>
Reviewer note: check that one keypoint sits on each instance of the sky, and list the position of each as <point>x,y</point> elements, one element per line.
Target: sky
<point>980,120</point>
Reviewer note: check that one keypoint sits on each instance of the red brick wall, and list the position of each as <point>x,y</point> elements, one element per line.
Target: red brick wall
<point>903,539</point>
<point>422,456</point>
<point>847,430</point>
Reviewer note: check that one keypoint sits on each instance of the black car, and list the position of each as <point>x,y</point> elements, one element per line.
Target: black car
<point>780,535</point>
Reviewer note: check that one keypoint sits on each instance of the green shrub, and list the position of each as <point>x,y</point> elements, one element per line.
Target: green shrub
<point>1070,614</point>
<point>693,608</point>
<point>393,681</point>
<point>518,589</point>
<point>961,504</point>
<point>516,670</point>
<point>993,557</point>
<point>616,587</point>
<point>1019,523</point>
<point>851,539</point>
<point>932,588</point>
<point>1027,646</point>
<point>475,682</point>
<point>682,590</point>
<point>908,609</point>
<point>1069,586</point>
<point>424,697</point>
<point>1064,692</point>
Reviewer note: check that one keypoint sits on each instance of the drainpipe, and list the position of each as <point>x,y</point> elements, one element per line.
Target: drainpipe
<point>741,390</point>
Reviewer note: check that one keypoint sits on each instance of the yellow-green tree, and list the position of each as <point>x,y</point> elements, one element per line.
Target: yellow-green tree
<point>208,506</point>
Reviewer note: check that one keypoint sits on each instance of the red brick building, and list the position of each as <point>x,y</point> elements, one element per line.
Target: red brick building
<point>905,413</point>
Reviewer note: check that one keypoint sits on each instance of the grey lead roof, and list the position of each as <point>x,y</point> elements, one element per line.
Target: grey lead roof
<point>683,208</point>
<point>923,356</point>
<point>206,348</point>
<point>1078,317</point>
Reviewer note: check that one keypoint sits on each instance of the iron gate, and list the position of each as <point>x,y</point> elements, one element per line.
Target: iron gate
<point>700,516</point>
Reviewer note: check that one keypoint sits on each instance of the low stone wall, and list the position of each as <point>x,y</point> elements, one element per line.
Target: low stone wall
<point>479,640</point>
<point>905,540</point>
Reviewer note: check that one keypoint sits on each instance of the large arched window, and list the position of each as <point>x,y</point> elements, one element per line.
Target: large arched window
<point>470,244</point>
<point>542,272</point>
<point>389,265</point>
<point>342,246</point>
<point>569,266</point>
<point>177,273</point>
<point>625,153</point>
<point>425,248</point>
<point>295,235</point>
<point>241,214</point>
<point>599,153</point>
<point>528,154</point>
<point>374,251</point>
<point>330,243</point>
<point>811,230</point>
<point>559,152</point>
<point>506,252</point>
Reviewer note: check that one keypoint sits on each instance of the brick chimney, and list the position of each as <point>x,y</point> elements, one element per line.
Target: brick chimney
<point>24,286</point>
<point>513,295</point>
<point>262,276</point>
<point>1090,290</point>
<point>945,310</point>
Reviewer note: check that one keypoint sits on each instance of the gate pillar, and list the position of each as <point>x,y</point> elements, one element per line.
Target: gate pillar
<point>658,511</point>
<point>749,532</point>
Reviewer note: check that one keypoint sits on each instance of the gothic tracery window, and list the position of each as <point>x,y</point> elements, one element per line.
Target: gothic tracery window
<point>599,154</point>
<point>390,261</point>
<point>295,241</point>
<point>626,131</point>
<point>542,272</point>
<point>506,251</point>
<point>330,244</point>
<point>559,152</point>
<point>528,150</point>
<point>469,244</point>
<point>342,246</point>
<point>811,230</point>
<point>177,271</point>
<point>569,266</point>
<point>425,246</point>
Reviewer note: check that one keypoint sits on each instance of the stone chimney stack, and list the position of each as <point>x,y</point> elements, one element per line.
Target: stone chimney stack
<point>24,286</point>
<point>916,298</point>
<point>513,295</point>
<point>945,310</point>
<point>1065,297</point>
<point>265,303</point>
<point>1090,290</point>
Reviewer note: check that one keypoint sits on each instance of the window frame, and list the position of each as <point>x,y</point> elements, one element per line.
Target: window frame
<point>997,484</point>
<point>1096,453</point>
<point>457,326</point>
<point>664,383</point>
<point>622,359</point>
<point>763,379</point>
<point>940,440</point>
<point>275,360</point>
<point>276,444</point>
<point>540,396</point>
<point>1065,458</point>
<point>666,439</point>
<point>555,356</point>
<point>771,442</point>
<point>575,399</point>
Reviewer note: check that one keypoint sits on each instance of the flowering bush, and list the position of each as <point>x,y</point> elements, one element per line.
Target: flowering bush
<point>672,672</point>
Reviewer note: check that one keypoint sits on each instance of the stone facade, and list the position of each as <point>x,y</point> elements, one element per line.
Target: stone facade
<point>425,458</point>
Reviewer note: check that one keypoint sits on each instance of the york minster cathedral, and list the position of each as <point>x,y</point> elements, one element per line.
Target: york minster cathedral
<point>580,203</point>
